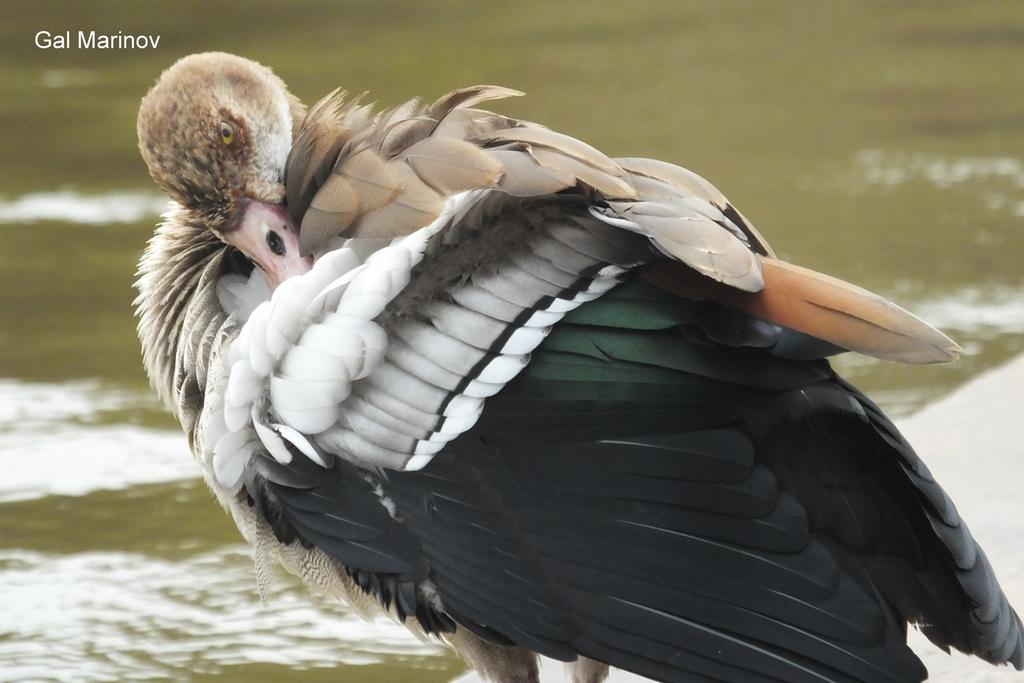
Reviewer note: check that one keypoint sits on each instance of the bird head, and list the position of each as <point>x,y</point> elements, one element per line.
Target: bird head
<point>215,132</point>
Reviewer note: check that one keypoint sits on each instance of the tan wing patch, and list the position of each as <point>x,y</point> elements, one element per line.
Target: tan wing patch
<point>821,306</point>
<point>449,165</point>
<point>413,206</point>
<point>697,241</point>
<point>569,146</point>
<point>608,185</point>
<point>468,97</point>
<point>523,175</point>
<point>688,183</point>
<point>371,178</point>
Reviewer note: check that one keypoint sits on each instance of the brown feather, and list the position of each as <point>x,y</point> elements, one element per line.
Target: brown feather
<point>539,136</point>
<point>523,176</point>
<point>403,134</point>
<point>318,227</point>
<point>697,241</point>
<point>413,206</point>
<point>467,97</point>
<point>402,112</point>
<point>314,152</point>
<point>334,207</point>
<point>371,178</point>
<point>449,165</point>
<point>608,185</point>
<point>689,183</point>
<point>466,124</point>
<point>652,188</point>
<point>821,306</point>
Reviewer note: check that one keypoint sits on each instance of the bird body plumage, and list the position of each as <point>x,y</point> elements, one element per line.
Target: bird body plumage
<point>534,400</point>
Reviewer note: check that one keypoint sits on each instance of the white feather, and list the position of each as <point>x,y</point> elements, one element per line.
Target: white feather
<point>272,442</point>
<point>236,418</point>
<point>277,342</point>
<point>243,385</point>
<point>345,441</point>
<point>335,336</point>
<point>562,306</point>
<point>480,389</point>
<point>462,405</point>
<point>303,395</point>
<point>616,220</point>
<point>382,399</point>
<point>297,290</point>
<point>239,295</point>
<point>524,340</point>
<point>229,293</point>
<point>601,286</point>
<point>543,319</point>
<point>375,340</point>
<point>333,265</point>
<point>448,352</point>
<point>312,364</point>
<point>376,433</point>
<point>459,425</point>
<point>213,424</point>
<point>394,257</point>
<point>502,369</point>
<point>425,447</point>
<point>260,360</point>
<point>442,437</point>
<point>610,271</point>
<point>365,305</point>
<point>367,295</point>
<point>393,381</point>
<point>417,463</point>
<point>229,465</point>
<point>416,243</point>
<point>311,420</point>
<point>287,313</point>
<point>232,442</point>
<point>587,295</point>
<point>328,298</point>
<point>299,441</point>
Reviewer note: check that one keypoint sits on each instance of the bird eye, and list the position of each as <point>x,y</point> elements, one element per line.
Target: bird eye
<point>275,243</point>
<point>227,133</point>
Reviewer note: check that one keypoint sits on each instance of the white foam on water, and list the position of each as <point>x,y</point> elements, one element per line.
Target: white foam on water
<point>997,181</point>
<point>111,616</point>
<point>77,461</point>
<point>881,167</point>
<point>49,447</point>
<point>73,207</point>
<point>985,312</point>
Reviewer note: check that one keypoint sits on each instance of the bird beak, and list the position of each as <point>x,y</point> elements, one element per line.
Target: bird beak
<point>267,235</point>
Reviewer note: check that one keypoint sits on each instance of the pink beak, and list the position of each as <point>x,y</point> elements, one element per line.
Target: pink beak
<point>267,235</point>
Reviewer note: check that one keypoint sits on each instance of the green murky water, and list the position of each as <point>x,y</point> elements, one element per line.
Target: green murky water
<point>880,142</point>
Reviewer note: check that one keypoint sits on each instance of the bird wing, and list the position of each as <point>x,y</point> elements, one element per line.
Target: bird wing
<point>682,508</point>
<point>636,449</point>
<point>354,174</point>
<point>450,241</point>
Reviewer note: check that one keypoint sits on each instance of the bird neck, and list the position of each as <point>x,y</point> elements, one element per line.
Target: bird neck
<point>178,310</point>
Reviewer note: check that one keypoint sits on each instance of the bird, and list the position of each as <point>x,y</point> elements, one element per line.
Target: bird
<point>529,400</point>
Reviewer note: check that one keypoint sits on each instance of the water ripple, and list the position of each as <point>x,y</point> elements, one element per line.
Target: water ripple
<point>108,616</point>
<point>73,207</point>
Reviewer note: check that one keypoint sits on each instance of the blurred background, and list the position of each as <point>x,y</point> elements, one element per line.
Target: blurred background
<point>879,142</point>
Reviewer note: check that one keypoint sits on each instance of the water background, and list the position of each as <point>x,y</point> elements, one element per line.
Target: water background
<point>880,142</point>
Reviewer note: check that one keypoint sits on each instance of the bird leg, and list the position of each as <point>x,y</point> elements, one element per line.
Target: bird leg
<point>495,663</point>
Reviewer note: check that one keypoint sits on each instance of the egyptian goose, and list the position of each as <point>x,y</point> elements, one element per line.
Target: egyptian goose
<point>532,400</point>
